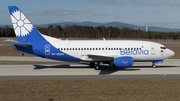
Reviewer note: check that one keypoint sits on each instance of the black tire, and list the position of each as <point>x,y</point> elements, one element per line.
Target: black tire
<point>97,67</point>
<point>153,66</point>
<point>91,65</point>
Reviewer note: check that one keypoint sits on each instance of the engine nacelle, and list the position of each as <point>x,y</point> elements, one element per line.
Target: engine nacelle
<point>123,62</point>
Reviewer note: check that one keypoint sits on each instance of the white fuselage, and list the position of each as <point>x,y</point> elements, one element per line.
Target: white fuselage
<point>138,50</point>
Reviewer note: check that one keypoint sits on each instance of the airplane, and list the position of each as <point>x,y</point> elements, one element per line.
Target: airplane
<point>116,53</point>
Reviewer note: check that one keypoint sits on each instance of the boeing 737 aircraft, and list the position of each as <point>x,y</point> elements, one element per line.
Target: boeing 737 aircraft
<point>119,54</point>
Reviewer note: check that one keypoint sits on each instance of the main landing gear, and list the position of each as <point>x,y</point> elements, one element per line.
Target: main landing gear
<point>95,66</point>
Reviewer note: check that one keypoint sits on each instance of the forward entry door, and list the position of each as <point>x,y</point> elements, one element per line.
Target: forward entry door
<point>152,49</point>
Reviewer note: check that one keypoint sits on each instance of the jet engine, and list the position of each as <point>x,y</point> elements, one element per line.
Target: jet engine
<point>123,62</point>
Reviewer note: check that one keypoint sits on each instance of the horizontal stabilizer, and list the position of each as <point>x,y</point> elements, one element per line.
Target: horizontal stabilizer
<point>17,43</point>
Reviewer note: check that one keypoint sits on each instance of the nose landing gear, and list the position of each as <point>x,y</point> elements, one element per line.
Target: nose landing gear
<point>153,65</point>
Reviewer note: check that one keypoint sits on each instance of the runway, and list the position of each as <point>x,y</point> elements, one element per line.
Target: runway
<point>36,68</point>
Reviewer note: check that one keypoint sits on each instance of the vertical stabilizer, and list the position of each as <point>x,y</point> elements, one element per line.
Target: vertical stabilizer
<point>24,30</point>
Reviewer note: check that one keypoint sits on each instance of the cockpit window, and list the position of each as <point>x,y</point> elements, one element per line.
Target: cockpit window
<point>163,47</point>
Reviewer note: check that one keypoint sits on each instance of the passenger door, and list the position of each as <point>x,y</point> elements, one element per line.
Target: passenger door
<point>152,49</point>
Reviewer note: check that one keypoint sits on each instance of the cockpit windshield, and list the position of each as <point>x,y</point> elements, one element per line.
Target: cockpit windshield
<point>163,47</point>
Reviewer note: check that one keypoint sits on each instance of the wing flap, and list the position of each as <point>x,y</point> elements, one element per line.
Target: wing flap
<point>100,57</point>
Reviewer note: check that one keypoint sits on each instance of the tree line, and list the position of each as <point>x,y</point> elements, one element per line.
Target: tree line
<point>7,32</point>
<point>77,31</point>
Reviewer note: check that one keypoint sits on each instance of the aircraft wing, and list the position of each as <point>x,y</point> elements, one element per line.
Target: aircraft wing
<point>100,57</point>
<point>17,43</point>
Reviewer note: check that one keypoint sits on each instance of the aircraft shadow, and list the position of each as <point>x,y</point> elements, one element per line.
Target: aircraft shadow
<point>103,71</point>
<point>58,66</point>
<point>110,70</point>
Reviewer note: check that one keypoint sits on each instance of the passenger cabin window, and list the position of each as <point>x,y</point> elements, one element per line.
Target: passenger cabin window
<point>103,48</point>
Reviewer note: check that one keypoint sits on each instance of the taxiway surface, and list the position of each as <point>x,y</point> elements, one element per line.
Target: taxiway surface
<point>36,68</point>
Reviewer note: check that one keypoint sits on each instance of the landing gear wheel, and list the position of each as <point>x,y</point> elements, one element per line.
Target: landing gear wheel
<point>96,67</point>
<point>92,65</point>
<point>153,66</point>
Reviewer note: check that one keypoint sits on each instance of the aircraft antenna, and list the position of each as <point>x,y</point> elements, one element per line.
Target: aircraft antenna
<point>104,39</point>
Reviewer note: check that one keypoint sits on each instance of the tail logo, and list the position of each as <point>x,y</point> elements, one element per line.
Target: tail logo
<point>47,49</point>
<point>21,24</point>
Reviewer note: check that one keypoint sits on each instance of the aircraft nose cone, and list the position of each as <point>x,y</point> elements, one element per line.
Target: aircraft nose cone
<point>168,53</point>
<point>171,53</point>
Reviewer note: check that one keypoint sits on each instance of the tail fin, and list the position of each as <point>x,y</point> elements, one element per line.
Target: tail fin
<point>24,30</point>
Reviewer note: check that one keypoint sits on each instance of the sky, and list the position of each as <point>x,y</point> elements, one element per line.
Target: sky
<point>159,13</point>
